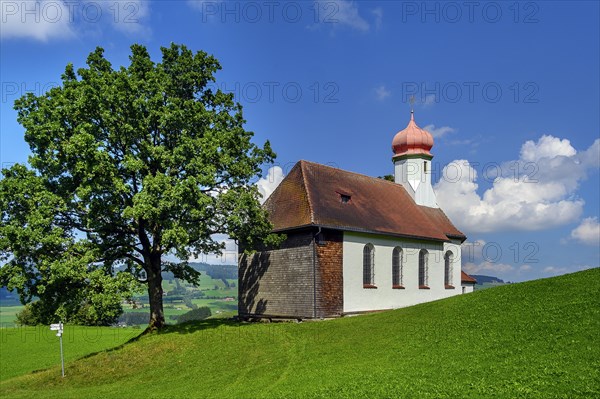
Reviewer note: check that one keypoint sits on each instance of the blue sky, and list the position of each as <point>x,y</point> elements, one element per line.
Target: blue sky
<point>510,91</point>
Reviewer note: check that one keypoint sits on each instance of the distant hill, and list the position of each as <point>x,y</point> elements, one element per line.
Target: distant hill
<point>8,298</point>
<point>487,279</point>
<point>537,339</point>
<point>5,293</point>
<point>217,272</point>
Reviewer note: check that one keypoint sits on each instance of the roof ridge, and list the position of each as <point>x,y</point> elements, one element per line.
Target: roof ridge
<point>350,172</point>
<point>308,199</point>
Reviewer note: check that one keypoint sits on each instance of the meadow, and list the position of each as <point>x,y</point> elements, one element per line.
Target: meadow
<point>28,349</point>
<point>538,339</point>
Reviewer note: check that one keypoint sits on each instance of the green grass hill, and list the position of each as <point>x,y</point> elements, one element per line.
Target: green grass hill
<point>539,339</point>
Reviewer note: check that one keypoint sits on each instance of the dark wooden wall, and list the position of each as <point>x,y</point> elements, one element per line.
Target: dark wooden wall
<point>281,283</point>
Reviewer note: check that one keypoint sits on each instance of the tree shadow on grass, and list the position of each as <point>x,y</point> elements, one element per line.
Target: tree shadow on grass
<point>190,327</point>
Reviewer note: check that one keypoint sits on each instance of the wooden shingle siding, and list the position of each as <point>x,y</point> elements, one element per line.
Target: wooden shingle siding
<point>330,287</point>
<point>279,282</point>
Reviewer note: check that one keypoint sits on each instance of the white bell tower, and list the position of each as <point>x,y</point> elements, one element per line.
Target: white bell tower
<point>412,162</point>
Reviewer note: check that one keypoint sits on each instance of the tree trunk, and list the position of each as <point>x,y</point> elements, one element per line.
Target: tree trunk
<point>155,295</point>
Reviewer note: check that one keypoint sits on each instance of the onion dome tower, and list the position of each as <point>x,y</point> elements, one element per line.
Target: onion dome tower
<point>412,162</point>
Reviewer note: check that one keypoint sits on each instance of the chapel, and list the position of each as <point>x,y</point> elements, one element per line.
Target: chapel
<point>355,243</point>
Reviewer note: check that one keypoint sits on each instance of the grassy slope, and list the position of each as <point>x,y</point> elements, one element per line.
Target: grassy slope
<point>26,349</point>
<point>532,340</point>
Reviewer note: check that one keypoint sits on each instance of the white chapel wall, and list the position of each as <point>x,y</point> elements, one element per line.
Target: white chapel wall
<point>468,288</point>
<point>359,299</point>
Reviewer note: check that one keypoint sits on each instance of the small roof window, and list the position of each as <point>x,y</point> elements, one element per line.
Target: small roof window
<point>344,197</point>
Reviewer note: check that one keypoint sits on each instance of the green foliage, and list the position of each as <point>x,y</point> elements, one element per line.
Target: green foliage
<point>187,300</point>
<point>195,315</point>
<point>387,177</point>
<point>217,271</point>
<point>530,340</point>
<point>44,261</point>
<point>178,290</point>
<point>127,165</point>
<point>87,313</point>
<point>29,315</point>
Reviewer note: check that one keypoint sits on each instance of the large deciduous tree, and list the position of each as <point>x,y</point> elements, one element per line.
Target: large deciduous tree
<point>128,165</point>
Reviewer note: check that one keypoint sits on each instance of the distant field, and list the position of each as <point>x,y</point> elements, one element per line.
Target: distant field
<point>8,315</point>
<point>538,339</point>
<point>214,288</point>
<point>485,286</point>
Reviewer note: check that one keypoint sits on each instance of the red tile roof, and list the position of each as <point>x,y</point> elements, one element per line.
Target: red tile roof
<point>312,194</point>
<point>465,278</point>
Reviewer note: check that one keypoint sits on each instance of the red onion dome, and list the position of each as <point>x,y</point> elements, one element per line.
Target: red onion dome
<point>412,140</point>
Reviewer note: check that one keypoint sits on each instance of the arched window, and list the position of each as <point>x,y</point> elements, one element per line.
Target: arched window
<point>397,268</point>
<point>448,259</point>
<point>423,255</point>
<point>369,266</point>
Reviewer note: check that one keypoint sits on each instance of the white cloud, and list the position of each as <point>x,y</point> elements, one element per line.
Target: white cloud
<point>267,185</point>
<point>45,20</point>
<point>228,255</point>
<point>346,13</point>
<point>480,257</point>
<point>487,267</point>
<point>439,131</point>
<point>471,251</point>
<point>588,232</point>
<point>527,195</point>
<point>546,147</point>
<point>378,14</point>
<point>429,100</point>
<point>131,17</point>
<point>558,270</point>
<point>382,93</point>
<point>341,13</point>
<point>40,20</point>
<point>525,268</point>
<point>555,271</point>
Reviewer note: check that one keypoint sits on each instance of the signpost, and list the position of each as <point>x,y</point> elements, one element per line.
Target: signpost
<point>59,331</point>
